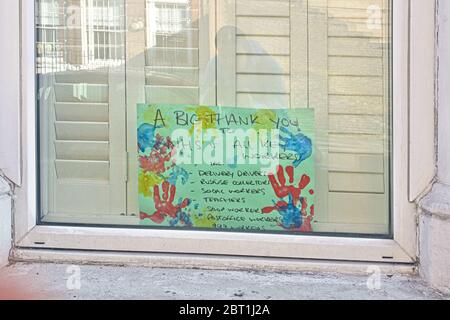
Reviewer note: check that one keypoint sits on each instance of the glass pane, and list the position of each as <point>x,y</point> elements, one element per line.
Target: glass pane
<point>81,77</point>
<point>136,96</point>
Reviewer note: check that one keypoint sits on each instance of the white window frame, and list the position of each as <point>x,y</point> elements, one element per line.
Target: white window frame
<point>401,249</point>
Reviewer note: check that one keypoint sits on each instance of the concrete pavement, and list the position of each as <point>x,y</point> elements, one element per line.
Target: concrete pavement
<point>59,281</point>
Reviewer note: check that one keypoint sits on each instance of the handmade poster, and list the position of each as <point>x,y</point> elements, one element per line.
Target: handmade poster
<point>223,168</point>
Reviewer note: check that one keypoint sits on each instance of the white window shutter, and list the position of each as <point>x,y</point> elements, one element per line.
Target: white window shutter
<point>358,111</point>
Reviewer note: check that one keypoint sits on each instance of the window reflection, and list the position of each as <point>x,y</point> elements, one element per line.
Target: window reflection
<point>97,59</point>
<point>79,34</point>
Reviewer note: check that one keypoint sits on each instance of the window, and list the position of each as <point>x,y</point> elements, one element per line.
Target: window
<point>99,60</point>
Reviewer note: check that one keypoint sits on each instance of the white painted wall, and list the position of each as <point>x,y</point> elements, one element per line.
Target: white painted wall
<point>444,93</point>
<point>10,115</point>
<point>10,90</point>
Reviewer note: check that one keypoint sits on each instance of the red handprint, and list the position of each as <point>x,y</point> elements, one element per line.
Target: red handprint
<point>159,155</point>
<point>282,190</point>
<point>164,206</point>
<point>288,210</point>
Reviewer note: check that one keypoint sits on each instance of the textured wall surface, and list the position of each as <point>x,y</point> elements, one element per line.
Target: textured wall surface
<point>5,221</point>
<point>10,90</point>
<point>435,237</point>
<point>434,224</point>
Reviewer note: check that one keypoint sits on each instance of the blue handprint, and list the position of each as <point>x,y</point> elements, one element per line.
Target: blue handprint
<point>178,173</point>
<point>291,216</point>
<point>181,217</point>
<point>298,143</point>
<point>146,136</point>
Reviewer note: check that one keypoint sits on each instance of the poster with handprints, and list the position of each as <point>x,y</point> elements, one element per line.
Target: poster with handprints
<point>219,168</point>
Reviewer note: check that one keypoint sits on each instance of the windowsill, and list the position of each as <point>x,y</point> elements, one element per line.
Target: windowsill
<point>437,202</point>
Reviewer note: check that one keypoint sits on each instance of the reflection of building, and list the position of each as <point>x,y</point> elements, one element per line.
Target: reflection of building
<point>172,51</point>
<point>48,26</point>
<point>79,34</point>
<point>167,21</point>
<point>86,34</point>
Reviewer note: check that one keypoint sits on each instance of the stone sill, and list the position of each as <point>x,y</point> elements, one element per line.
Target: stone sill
<point>437,202</point>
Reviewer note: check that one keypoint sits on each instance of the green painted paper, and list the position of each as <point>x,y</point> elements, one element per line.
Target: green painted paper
<point>214,192</point>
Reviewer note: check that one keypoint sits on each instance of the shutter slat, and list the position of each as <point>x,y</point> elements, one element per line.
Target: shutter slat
<point>84,131</point>
<point>91,77</point>
<point>82,170</point>
<point>361,124</point>
<point>354,143</point>
<point>346,85</point>
<point>84,112</point>
<point>176,57</point>
<point>263,64</point>
<point>365,105</point>
<point>263,100</point>
<point>358,208</point>
<point>81,92</point>
<point>355,47</point>
<point>82,150</point>
<point>263,26</point>
<point>263,83</point>
<point>171,95</point>
<point>276,8</point>
<point>356,182</point>
<point>262,45</point>
<point>364,163</point>
<point>172,76</point>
